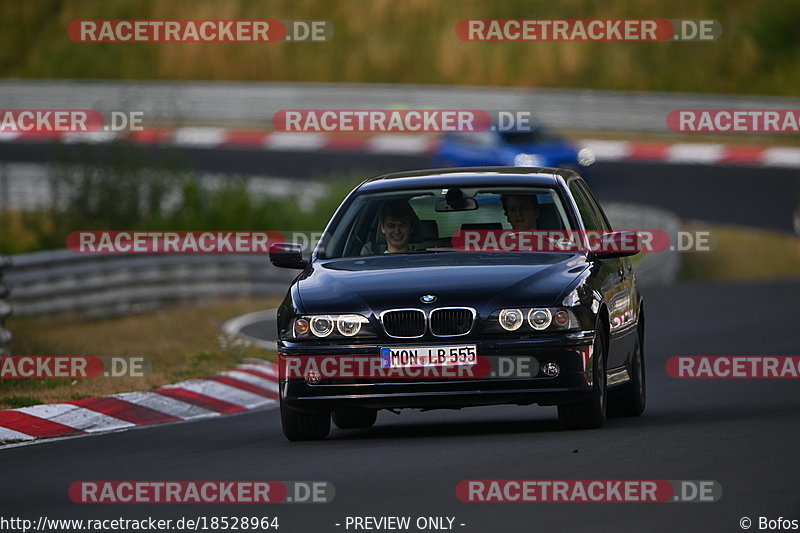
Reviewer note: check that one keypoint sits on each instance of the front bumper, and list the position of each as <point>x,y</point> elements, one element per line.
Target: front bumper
<point>570,351</point>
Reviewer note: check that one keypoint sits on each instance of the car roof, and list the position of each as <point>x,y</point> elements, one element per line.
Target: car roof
<point>467,176</point>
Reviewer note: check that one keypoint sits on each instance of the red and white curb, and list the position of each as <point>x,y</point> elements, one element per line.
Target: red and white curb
<point>416,144</point>
<point>249,385</point>
<point>693,153</point>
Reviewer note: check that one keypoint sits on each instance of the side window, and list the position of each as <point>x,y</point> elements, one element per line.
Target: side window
<point>584,207</point>
<point>595,208</point>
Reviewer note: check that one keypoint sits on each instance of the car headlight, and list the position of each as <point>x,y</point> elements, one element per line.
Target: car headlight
<point>586,157</point>
<point>528,160</point>
<point>349,325</point>
<point>538,319</point>
<point>322,326</point>
<point>510,319</point>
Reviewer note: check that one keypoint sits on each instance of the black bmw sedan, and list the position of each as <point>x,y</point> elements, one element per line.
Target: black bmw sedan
<point>462,287</point>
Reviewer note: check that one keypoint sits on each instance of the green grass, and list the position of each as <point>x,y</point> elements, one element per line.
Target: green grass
<point>13,402</point>
<point>414,41</point>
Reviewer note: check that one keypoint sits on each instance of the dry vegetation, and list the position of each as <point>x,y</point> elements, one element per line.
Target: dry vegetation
<point>743,254</point>
<point>180,343</point>
<point>414,41</point>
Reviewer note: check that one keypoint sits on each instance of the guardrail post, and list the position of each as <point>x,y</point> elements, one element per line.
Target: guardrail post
<point>5,307</point>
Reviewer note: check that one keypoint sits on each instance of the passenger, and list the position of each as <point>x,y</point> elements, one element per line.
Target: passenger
<point>521,210</point>
<point>397,222</point>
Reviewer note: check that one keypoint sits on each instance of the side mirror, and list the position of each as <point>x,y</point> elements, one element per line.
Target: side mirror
<point>619,244</point>
<point>287,255</point>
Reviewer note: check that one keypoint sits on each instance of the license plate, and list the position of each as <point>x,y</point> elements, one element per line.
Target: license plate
<point>422,356</point>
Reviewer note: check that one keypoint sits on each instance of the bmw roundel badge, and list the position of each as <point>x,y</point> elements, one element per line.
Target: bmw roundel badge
<point>427,299</point>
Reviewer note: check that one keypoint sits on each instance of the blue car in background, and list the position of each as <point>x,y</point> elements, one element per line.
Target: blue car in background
<point>539,147</point>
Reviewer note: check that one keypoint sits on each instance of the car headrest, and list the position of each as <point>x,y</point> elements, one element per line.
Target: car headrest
<point>549,220</point>
<point>429,229</point>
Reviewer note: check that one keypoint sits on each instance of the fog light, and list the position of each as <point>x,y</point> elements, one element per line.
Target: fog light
<point>551,370</point>
<point>312,378</point>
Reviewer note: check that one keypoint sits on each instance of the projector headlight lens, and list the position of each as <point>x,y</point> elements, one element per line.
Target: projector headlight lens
<point>349,325</point>
<point>510,319</point>
<point>335,326</point>
<point>321,326</point>
<point>539,319</point>
<point>545,319</point>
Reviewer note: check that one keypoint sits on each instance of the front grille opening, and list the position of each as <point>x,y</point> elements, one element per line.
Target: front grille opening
<point>405,323</point>
<point>451,321</point>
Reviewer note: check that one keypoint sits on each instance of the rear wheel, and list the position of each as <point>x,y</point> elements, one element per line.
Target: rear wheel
<point>589,413</point>
<point>630,400</point>
<point>298,425</point>
<point>354,417</point>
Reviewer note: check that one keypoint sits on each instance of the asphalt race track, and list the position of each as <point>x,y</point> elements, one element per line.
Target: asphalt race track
<point>741,433</point>
<point>742,195</point>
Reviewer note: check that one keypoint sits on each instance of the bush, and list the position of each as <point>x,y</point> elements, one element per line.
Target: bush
<point>121,195</point>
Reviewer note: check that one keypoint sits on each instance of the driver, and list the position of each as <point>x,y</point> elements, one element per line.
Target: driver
<point>522,210</point>
<point>397,221</point>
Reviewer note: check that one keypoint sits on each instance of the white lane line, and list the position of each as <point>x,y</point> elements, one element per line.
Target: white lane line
<point>7,136</point>
<point>781,157</point>
<point>89,137</point>
<point>253,380</point>
<point>264,369</point>
<point>607,150</point>
<point>223,392</point>
<point>198,136</point>
<point>236,324</point>
<point>76,417</point>
<point>695,153</point>
<point>399,144</point>
<point>295,141</point>
<point>165,404</point>
<point>10,434</point>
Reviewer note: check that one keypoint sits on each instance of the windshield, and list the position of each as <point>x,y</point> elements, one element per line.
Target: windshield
<point>432,220</point>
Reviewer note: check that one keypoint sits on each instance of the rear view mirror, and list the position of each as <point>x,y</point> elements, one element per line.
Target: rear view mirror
<point>466,205</point>
<point>454,201</point>
<point>287,255</point>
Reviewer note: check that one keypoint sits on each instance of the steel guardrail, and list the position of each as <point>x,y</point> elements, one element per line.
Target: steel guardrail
<point>254,103</point>
<point>5,306</point>
<point>105,285</point>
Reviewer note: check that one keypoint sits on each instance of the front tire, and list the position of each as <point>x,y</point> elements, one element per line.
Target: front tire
<point>630,400</point>
<point>590,413</point>
<point>299,425</point>
<point>354,417</point>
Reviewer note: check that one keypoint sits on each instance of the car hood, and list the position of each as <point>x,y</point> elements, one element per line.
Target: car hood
<point>483,281</point>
